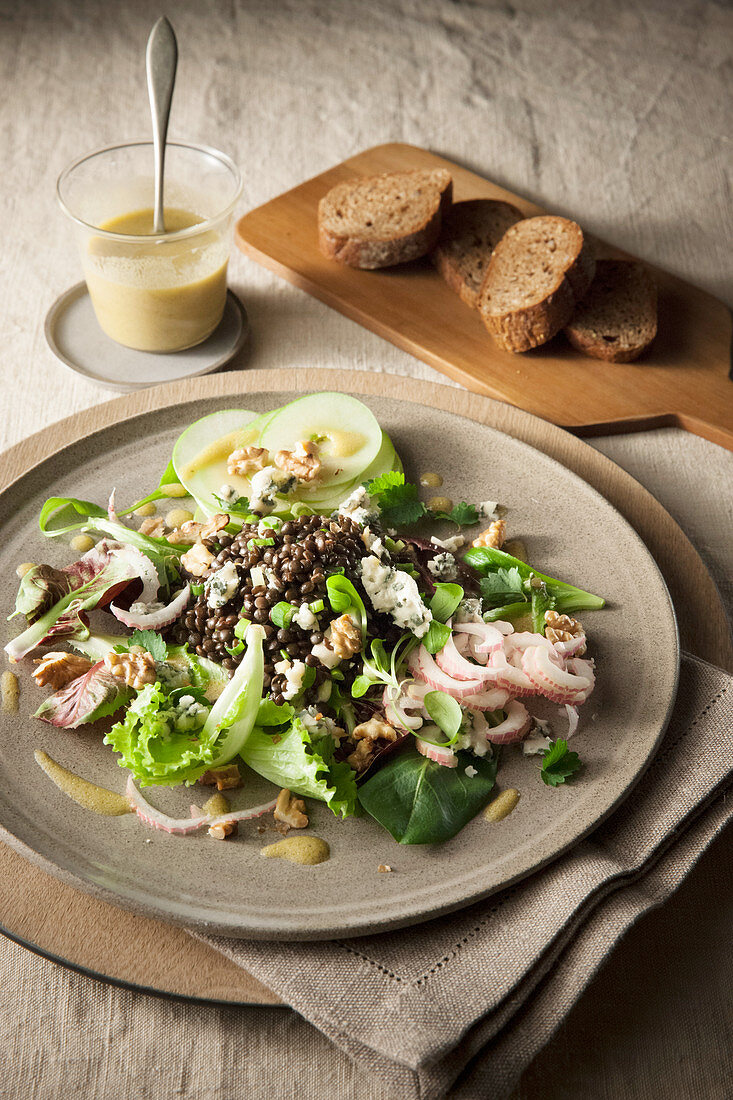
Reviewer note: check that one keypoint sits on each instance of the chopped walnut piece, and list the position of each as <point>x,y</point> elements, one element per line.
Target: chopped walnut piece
<point>290,810</point>
<point>366,735</point>
<point>193,531</point>
<point>56,670</point>
<point>561,628</point>
<point>223,830</point>
<point>303,462</point>
<point>223,779</point>
<point>384,867</point>
<point>373,730</point>
<point>493,536</point>
<point>135,669</point>
<point>153,527</point>
<point>247,460</point>
<point>345,638</point>
<point>197,560</point>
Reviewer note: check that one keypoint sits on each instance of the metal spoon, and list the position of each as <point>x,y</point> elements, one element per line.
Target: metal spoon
<point>161,59</point>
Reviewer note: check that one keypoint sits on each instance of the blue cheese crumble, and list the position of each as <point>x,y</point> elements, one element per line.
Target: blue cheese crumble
<point>443,567</point>
<point>265,485</point>
<point>452,544</point>
<point>395,592</point>
<point>358,506</point>
<point>221,586</point>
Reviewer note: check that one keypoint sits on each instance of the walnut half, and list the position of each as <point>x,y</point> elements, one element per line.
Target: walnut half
<point>56,670</point>
<point>345,638</point>
<point>135,669</point>
<point>248,460</point>
<point>493,536</point>
<point>562,628</point>
<point>367,735</point>
<point>290,810</point>
<point>303,462</point>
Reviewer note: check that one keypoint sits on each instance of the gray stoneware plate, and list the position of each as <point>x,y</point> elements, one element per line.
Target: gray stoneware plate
<point>227,888</point>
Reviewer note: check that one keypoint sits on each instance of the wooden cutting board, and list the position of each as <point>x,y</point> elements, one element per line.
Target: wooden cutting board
<point>98,938</point>
<point>682,380</point>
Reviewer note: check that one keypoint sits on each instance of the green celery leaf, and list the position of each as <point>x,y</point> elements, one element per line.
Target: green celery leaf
<point>152,641</point>
<point>502,587</point>
<point>559,764</point>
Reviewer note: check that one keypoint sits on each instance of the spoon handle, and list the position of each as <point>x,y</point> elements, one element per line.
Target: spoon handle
<point>161,59</point>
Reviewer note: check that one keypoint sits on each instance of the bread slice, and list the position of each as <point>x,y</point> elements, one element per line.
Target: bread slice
<point>383,220</point>
<point>471,231</point>
<point>541,268</point>
<point>617,319</point>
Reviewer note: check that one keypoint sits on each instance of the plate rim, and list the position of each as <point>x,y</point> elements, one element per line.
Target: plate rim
<point>292,379</point>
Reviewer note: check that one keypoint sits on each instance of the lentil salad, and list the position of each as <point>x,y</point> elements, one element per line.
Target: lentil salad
<point>308,623</point>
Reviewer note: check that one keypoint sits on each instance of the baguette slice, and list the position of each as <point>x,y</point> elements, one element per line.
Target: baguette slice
<point>383,220</point>
<point>471,231</point>
<point>617,319</point>
<point>541,268</point>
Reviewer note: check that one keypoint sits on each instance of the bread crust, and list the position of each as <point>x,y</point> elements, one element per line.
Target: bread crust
<point>371,253</point>
<point>523,327</point>
<point>582,331</point>
<point>449,259</point>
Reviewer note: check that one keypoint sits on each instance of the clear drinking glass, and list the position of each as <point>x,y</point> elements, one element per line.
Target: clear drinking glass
<point>153,292</point>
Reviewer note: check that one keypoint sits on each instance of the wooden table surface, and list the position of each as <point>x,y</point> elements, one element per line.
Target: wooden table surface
<point>616,116</point>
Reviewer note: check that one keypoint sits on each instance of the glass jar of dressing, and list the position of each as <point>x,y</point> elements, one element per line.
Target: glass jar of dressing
<point>153,292</point>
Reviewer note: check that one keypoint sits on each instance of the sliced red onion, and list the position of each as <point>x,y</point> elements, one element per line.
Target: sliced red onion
<point>441,754</point>
<point>395,710</point>
<point>154,620</point>
<point>569,649</point>
<point>156,818</point>
<point>573,717</point>
<point>144,569</point>
<point>489,637</point>
<point>557,684</point>
<point>243,815</point>
<point>453,664</point>
<point>492,699</point>
<point>185,825</point>
<point>514,726</point>
<point>424,667</point>
<point>514,680</point>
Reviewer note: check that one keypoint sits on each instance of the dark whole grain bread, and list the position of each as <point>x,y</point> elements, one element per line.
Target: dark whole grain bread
<point>541,268</point>
<point>617,319</point>
<point>379,221</point>
<point>471,231</point>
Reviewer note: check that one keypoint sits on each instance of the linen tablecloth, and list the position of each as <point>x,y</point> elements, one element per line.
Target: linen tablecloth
<point>615,115</point>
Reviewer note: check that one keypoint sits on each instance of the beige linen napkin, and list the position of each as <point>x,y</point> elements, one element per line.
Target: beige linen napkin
<point>467,1000</point>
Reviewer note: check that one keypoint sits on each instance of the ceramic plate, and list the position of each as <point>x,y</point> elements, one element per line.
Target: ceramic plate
<point>570,531</point>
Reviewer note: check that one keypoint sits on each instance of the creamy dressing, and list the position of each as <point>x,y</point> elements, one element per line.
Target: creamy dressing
<point>430,480</point>
<point>501,806</point>
<point>165,295</point>
<point>343,443</point>
<point>219,451</point>
<point>440,504</point>
<point>306,850</point>
<point>97,799</point>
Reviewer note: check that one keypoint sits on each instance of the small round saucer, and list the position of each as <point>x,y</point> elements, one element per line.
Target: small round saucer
<point>74,335</point>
